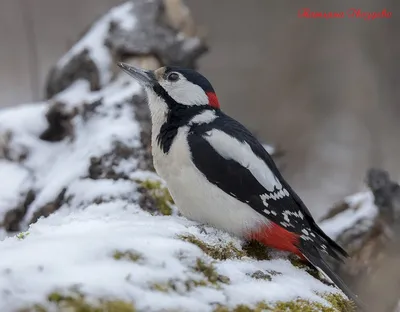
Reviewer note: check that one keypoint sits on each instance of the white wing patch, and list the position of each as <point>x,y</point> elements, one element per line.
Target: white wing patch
<point>286,216</point>
<point>291,217</point>
<point>205,117</point>
<point>298,214</point>
<point>230,148</point>
<point>308,235</point>
<point>285,224</point>
<point>275,196</point>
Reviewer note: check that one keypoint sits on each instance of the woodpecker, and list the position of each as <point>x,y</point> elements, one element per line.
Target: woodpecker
<point>219,174</point>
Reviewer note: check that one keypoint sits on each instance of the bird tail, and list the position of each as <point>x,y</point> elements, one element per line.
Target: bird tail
<point>312,255</point>
<point>336,251</point>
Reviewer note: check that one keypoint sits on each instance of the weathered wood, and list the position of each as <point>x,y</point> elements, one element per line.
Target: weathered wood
<point>161,29</point>
<point>374,246</point>
<point>147,33</point>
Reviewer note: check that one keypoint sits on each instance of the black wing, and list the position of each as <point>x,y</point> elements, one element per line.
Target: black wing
<point>280,205</point>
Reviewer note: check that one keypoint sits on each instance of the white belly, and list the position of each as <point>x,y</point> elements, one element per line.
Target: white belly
<point>196,198</point>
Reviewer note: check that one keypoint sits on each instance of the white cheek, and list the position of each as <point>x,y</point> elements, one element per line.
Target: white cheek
<point>185,92</point>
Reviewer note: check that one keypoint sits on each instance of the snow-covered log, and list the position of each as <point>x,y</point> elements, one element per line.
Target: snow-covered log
<point>154,32</point>
<point>86,223</point>
<point>367,225</point>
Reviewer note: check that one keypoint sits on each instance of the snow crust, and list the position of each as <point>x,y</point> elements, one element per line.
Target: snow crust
<point>362,207</point>
<point>17,183</point>
<point>93,40</point>
<point>75,247</point>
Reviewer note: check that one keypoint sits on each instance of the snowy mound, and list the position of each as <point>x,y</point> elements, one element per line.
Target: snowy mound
<point>108,243</point>
<point>87,224</point>
<point>122,255</point>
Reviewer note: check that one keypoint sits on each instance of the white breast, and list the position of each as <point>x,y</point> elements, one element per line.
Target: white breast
<point>195,197</point>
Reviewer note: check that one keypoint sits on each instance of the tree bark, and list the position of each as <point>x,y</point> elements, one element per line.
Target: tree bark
<point>373,243</point>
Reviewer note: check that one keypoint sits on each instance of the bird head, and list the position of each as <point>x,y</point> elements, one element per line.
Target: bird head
<point>175,86</point>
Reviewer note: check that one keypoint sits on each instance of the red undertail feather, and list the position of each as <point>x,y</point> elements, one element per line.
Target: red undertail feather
<point>275,236</point>
<point>212,99</point>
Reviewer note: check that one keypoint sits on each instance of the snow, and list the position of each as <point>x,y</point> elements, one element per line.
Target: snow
<point>15,183</point>
<point>76,247</point>
<point>362,207</point>
<point>85,191</point>
<point>59,164</point>
<point>26,119</point>
<point>50,166</point>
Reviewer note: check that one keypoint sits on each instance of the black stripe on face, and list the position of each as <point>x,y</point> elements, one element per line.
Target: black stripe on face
<point>192,76</point>
<point>178,116</point>
<point>161,92</point>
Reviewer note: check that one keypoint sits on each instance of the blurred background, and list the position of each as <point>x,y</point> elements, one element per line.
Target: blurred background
<point>324,90</point>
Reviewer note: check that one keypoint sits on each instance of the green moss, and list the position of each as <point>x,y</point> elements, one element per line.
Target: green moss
<point>22,235</point>
<point>297,262</point>
<point>130,255</point>
<point>252,249</point>
<point>221,308</point>
<point>210,273</point>
<point>301,306</point>
<point>118,306</point>
<point>274,273</point>
<point>34,308</point>
<point>56,297</point>
<point>256,250</point>
<point>178,286</point>
<point>339,304</point>
<point>160,194</point>
<point>228,251</point>
<point>77,303</point>
<point>209,278</point>
<point>38,308</point>
<point>161,287</point>
<point>192,284</point>
<point>260,307</point>
<point>261,275</point>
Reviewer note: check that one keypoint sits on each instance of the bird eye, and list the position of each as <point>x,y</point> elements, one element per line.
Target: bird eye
<point>173,77</point>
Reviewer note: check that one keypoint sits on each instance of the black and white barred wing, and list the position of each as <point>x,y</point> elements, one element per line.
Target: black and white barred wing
<point>231,158</point>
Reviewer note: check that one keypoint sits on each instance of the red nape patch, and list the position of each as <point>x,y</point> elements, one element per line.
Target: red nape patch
<point>275,236</point>
<point>213,100</point>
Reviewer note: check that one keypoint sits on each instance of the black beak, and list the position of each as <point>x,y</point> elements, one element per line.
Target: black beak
<point>145,77</point>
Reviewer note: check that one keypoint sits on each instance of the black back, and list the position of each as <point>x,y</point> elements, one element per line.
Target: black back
<point>236,180</point>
